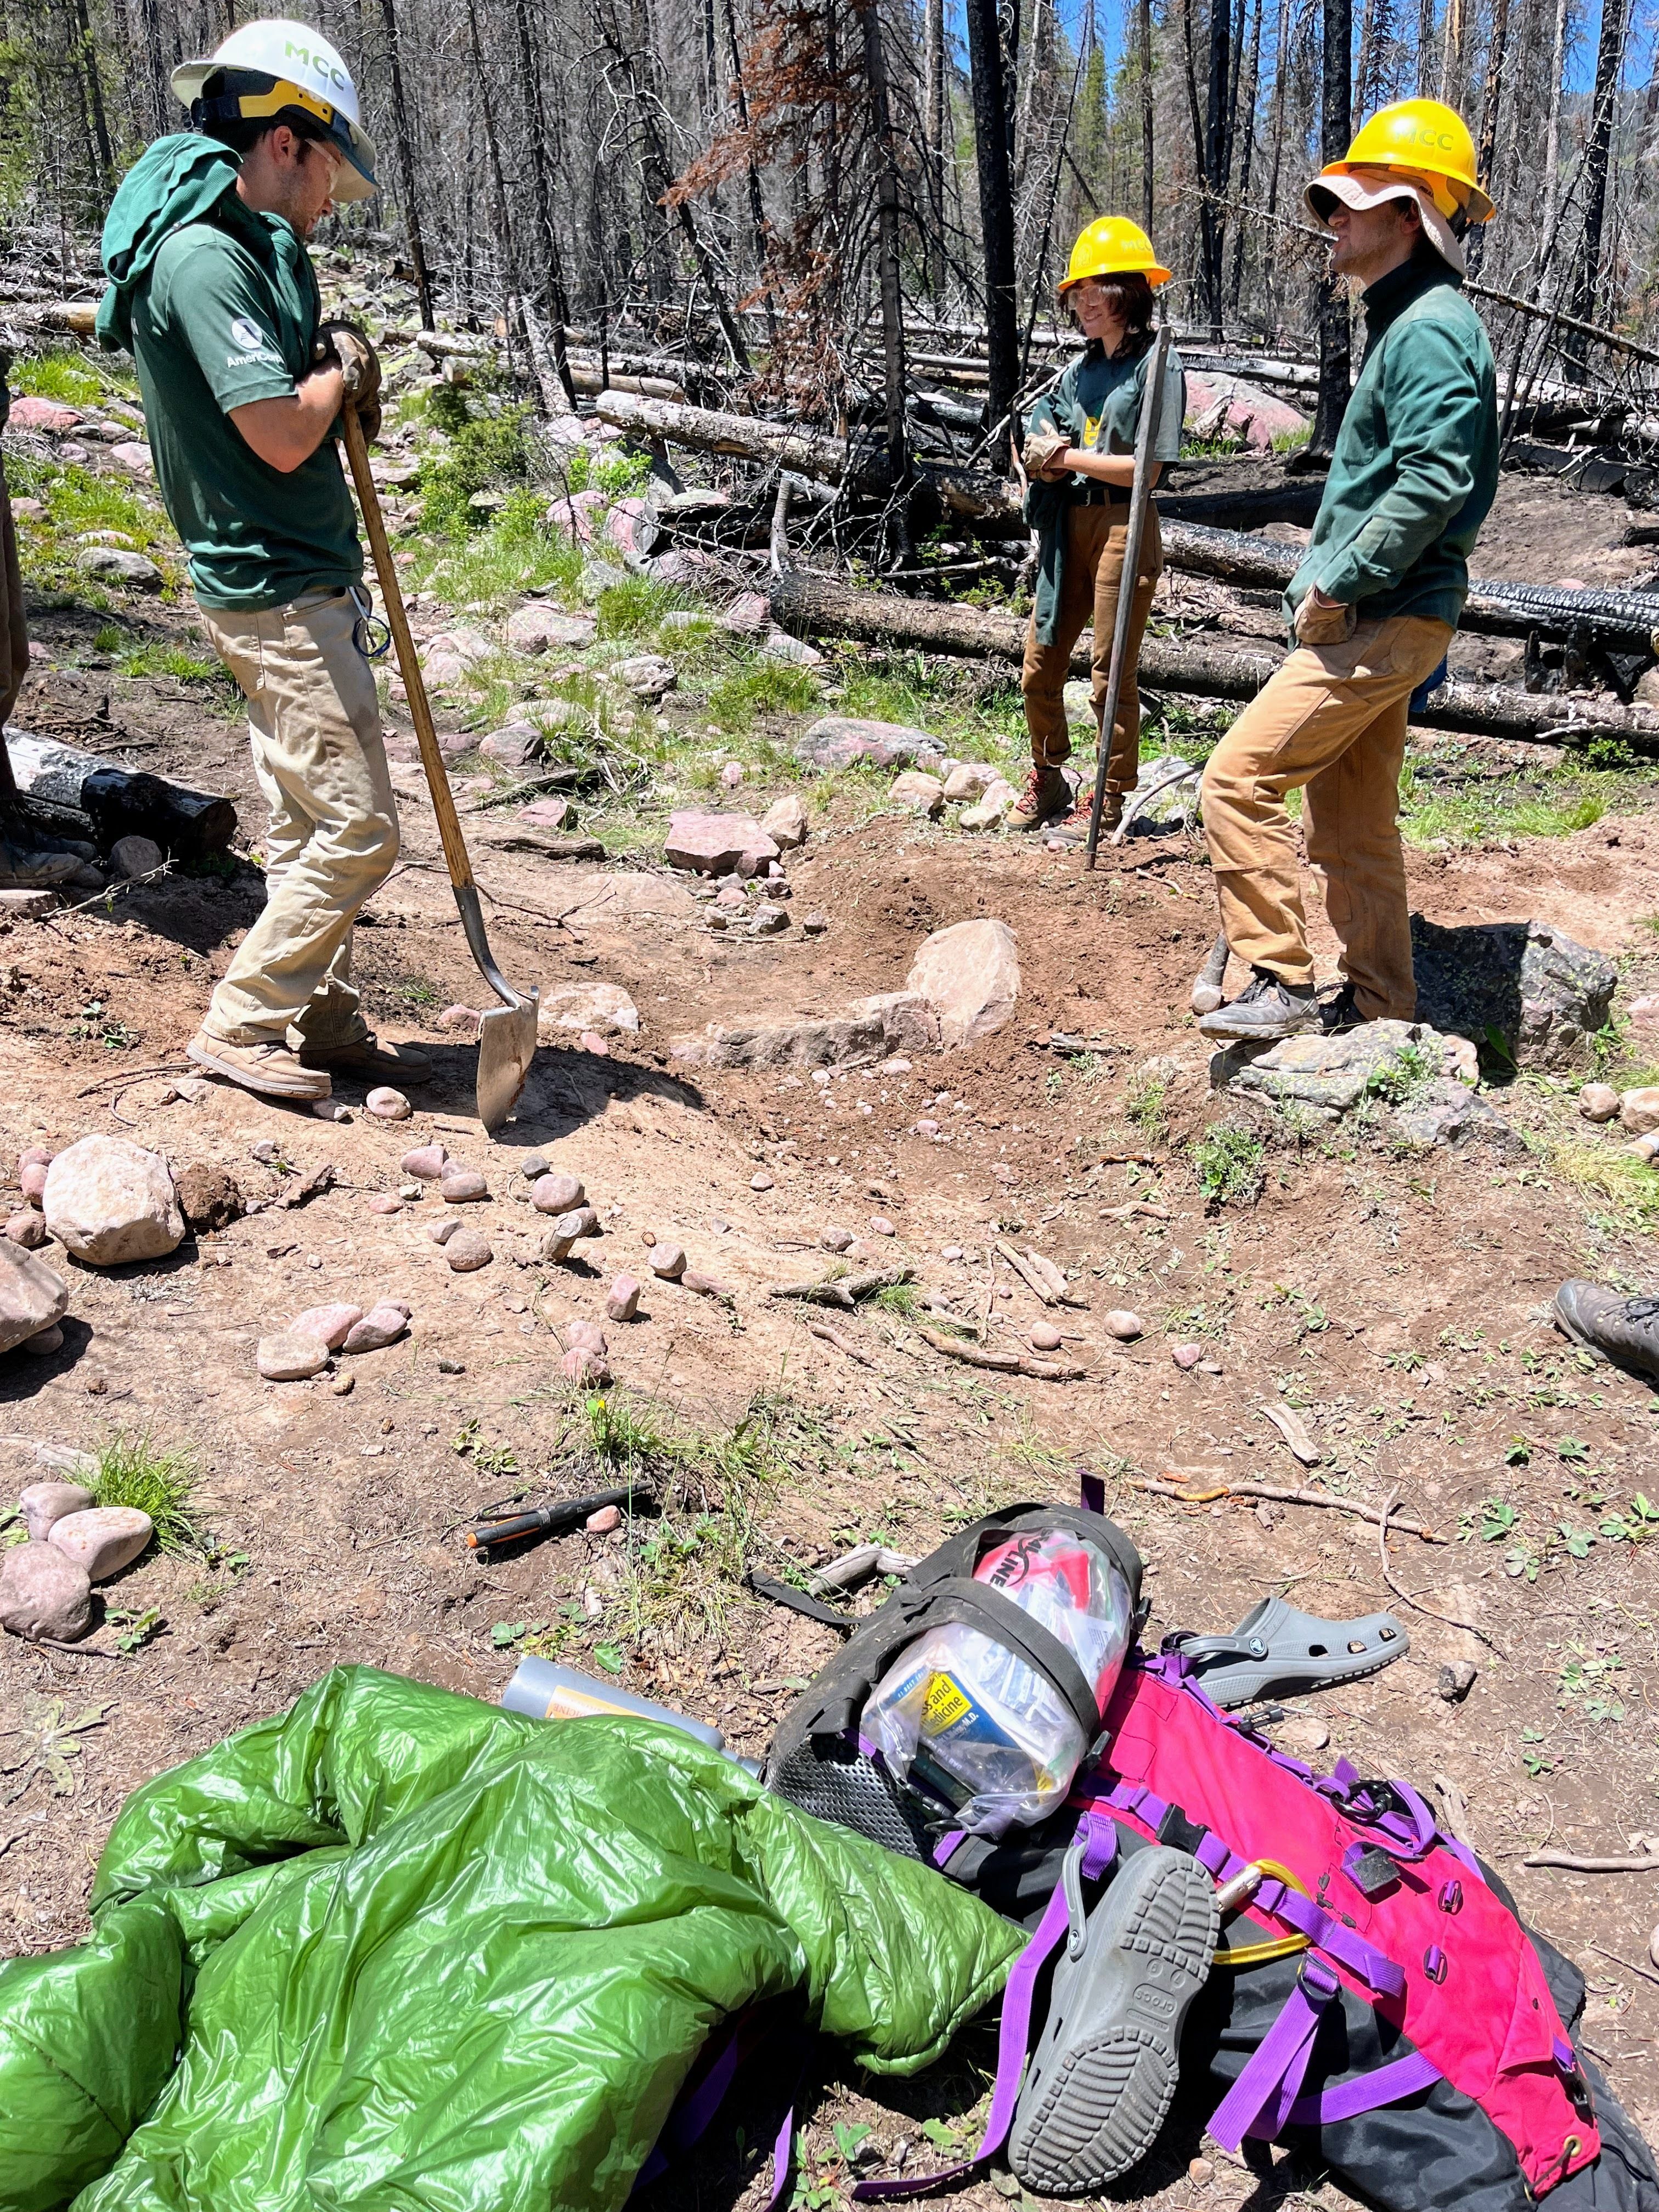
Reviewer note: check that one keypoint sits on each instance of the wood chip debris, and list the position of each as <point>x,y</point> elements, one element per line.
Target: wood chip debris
<point>1294,1430</point>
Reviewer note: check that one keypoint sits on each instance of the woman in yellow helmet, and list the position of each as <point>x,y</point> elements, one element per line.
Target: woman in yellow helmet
<point>1080,458</point>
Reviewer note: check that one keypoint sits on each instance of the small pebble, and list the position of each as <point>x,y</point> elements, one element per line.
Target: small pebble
<point>1045,1337</point>
<point>1456,1679</point>
<point>557,1194</point>
<point>29,1229</point>
<point>622,1299</point>
<point>344,1385</point>
<point>387,1202</point>
<point>667,1260</point>
<point>464,1020</point>
<point>1199,2171</point>
<point>426,1162</point>
<point>467,1251</point>
<point>331,1109</point>
<point>602,1522</point>
<point>45,1342</point>
<point>719,1226</point>
<point>882,1226</point>
<point>533,1166</point>
<point>441,1231</point>
<point>591,1040</point>
<point>387,1105</point>
<point>1124,1325</point>
<point>1209,1367</point>
<point>463,1186</point>
<point>835,1239</point>
<point>816,924</point>
<point>451,1367</point>
<point>761,1182</point>
<point>588,1335</point>
<point>950,1252</point>
<point>731,777</point>
<point>587,1368</point>
<point>1186,1355</point>
<point>648,1237</point>
<point>1301,1732</point>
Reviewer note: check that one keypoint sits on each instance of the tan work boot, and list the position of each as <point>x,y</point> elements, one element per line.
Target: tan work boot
<point>1047,794</point>
<point>1075,828</point>
<point>370,1059</point>
<point>270,1069</point>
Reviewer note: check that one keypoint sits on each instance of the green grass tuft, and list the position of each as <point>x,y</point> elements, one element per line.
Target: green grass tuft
<point>635,607</point>
<point>762,687</point>
<point>64,377</point>
<point>134,1470</point>
<point>1227,1161</point>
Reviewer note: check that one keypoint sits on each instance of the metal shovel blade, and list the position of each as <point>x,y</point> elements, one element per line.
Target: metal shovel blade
<point>507,1045</point>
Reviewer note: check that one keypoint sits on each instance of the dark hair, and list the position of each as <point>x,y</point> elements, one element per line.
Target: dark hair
<point>1129,296</point>
<point>242,133</point>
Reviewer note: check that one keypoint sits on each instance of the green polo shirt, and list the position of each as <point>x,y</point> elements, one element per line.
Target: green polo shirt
<point>227,314</point>
<point>1415,469</point>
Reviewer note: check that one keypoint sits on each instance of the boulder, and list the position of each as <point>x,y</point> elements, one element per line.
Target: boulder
<point>290,1356</point>
<point>103,1539</point>
<point>32,1296</point>
<point>383,1324</point>
<point>42,1594</point>
<point>1224,403</point>
<point>840,740</point>
<point>603,1007</point>
<point>29,413</point>
<point>135,856</point>
<point>1445,1111</point>
<point>1394,1061</point>
<point>968,974</point>
<point>538,629</point>
<point>208,1198</point>
<point>109,1200</point>
<point>1525,986</point>
<point>918,791</point>
<point>110,566</point>
<point>969,780</point>
<point>717,844</point>
<point>785,821</point>
<point>332,1323</point>
<point>43,1502</point>
<point>895,1021</point>
<point>516,745</point>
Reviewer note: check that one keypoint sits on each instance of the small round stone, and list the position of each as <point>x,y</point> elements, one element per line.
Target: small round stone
<point>387,1202</point>
<point>668,1261</point>
<point>1045,1337</point>
<point>1124,1325</point>
<point>835,1239</point>
<point>761,1182</point>
<point>533,1166</point>
<point>557,1194</point>
<point>464,1187</point>
<point>881,1226</point>
<point>426,1162</point>
<point>1186,1355</point>
<point>467,1251</point>
<point>387,1105</point>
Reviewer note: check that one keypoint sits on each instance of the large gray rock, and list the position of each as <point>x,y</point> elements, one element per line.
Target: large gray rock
<point>840,740</point>
<point>32,1297</point>
<point>871,1030</point>
<point>1384,1059</point>
<point>103,1540</point>
<point>109,1200</point>
<point>44,1594</point>
<point>110,566</point>
<point>537,629</point>
<point>969,974</point>
<point>717,844</point>
<point>1521,986</point>
<point>1447,1112</point>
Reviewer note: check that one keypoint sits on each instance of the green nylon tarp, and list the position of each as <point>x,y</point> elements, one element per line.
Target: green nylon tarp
<point>398,1951</point>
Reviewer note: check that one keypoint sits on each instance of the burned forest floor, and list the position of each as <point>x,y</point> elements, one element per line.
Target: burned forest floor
<point>1393,1301</point>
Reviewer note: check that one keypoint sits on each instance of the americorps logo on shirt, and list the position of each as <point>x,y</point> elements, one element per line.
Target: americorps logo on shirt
<point>252,340</point>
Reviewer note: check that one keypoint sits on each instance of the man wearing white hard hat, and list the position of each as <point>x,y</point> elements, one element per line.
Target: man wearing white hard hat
<point>212,289</point>
<point>1374,603</point>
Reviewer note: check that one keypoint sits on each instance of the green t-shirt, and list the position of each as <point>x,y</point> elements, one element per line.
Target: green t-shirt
<point>225,315</point>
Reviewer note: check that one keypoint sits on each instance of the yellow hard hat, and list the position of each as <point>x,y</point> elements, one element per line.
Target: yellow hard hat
<point>1112,246</point>
<point>1424,142</point>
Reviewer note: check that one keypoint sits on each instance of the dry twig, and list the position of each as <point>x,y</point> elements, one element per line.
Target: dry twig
<point>1405,1596</point>
<point>844,1291</point>
<point>1003,1363</point>
<point>1279,1496</point>
<point>1626,1863</point>
<point>825,1334</point>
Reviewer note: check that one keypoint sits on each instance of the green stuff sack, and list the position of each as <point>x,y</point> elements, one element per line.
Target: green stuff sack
<point>433,1957</point>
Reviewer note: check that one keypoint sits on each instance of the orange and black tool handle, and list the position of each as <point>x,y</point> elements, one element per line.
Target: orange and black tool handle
<point>569,1513</point>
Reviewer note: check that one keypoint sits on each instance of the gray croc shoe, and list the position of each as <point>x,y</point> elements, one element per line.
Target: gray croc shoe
<point>1276,1651</point>
<point>1104,2069</point>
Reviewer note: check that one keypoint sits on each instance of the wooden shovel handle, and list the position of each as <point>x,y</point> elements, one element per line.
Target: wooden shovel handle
<point>392,597</point>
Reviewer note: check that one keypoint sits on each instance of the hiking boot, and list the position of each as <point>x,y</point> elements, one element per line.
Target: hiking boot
<point>1075,827</point>
<point>1267,1009</point>
<point>370,1059</point>
<point>1341,1013</point>
<point>1104,2069</point>
<point>1047,794</point>
<point>1624,1330</point>
<point>270,1069</point>
<point>26,866</point>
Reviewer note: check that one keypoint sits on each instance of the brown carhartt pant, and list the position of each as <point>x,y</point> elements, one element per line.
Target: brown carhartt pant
<point>1331,720</point>
<point>1090,574</point>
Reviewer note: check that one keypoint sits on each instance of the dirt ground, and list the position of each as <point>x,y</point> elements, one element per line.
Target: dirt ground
<point>1399,1303</point>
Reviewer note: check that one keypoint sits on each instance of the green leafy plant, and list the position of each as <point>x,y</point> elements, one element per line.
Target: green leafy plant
<point>1147,1102</point>
<point>1227,1161</point>
<point>134,1626</point>
<point>1402,1074</point>
<point>1532,1754</point>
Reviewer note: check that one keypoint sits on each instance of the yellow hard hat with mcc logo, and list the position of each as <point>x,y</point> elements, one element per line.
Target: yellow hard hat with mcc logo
<point>1426,143</point>
<point>1112,246</point>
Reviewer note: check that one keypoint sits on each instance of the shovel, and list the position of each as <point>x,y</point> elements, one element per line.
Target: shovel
<point>507,1034</point>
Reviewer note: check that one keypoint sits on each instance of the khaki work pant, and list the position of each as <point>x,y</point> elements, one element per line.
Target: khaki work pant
<point>314,722</point>
<point>1333,721</point>
<point>1091,575</point>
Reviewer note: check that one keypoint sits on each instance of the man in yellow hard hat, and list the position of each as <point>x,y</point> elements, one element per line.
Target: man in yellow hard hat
<point>1375,602</point>
<point>1080,458</point>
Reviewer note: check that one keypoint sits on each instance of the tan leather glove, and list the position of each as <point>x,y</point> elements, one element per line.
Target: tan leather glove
<point>348,343</point>
<point>1317,625</point>
<point>1043,450</point>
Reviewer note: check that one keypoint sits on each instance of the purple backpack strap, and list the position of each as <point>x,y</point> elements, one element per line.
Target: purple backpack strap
<point>1261,2101</point>
<point>1096,1844</point>
<point>1091,1491</point>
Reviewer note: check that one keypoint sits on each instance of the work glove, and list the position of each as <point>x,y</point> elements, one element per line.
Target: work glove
<point>1043,450</point>
<point>1317,625</point>
<point>347,345</point>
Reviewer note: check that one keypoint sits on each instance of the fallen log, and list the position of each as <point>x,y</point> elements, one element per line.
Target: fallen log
<point>95,796</point>
<point>1003,1363</point>
<point>1496,607</point>
<point>818,606</point>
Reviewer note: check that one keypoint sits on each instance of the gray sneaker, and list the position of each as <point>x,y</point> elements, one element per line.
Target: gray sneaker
<point>1267,1009</point>
<point>1622,1330</point>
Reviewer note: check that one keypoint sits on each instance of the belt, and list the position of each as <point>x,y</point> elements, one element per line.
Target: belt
<point>1102,495</point>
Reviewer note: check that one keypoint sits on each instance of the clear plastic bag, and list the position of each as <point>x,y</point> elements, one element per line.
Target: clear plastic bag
<point>966,1722</point>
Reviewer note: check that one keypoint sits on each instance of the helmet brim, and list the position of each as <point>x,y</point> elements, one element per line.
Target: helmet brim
<point>1337,182</point>
<point>1155,274</point>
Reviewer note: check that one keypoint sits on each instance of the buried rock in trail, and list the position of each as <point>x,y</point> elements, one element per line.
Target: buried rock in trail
<point>969,974</point>
<point>107,1200</point>
<point>1524,989</point>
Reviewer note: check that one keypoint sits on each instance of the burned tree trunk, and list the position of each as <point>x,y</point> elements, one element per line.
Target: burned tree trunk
<point>404,147</point>
<point>996,207</point>
<point>1336,129</point>
<point>547,240</point>
<point>887,221</point>
<point>1609,65</point>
